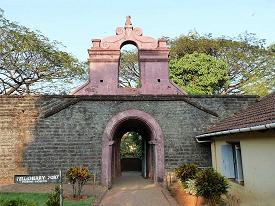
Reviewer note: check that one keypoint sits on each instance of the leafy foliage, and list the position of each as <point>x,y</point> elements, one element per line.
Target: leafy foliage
<point>129,72</point>
<point>251,67</point>
<point>202,182</point>
<point>271,48</point>
<point>78,177</point>
<point>17,202</point>
<point>131,145</point>
<point>199,73</point>
<point>30,63</point>
<point>54,197</point>
<point>190,187</point>
<point>211,185</point>
<point>186,172</point>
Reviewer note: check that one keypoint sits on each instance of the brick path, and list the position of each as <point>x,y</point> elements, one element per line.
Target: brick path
<point>133,190</point>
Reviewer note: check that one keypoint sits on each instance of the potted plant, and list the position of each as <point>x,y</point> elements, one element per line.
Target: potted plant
<point>185,190</point>
<point>186,172</point>
<point>211,185</point>
<point>198,186</point>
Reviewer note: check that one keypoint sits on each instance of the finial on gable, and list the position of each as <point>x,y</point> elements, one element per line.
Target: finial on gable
<point>128,23</point>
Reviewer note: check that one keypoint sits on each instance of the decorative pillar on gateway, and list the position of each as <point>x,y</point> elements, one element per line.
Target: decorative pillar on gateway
<point>104,58</point>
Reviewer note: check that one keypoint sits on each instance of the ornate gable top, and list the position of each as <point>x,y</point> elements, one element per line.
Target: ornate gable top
<point>128,23</point>
<point>128,34</point>
<point>105,58</point>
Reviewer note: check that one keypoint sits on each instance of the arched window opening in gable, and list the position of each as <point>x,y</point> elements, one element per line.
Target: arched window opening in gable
<point>129,69</point>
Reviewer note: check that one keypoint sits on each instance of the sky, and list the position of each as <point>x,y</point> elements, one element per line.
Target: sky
<point>76,22</point>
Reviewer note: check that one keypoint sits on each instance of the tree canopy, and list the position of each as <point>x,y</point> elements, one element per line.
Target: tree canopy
<point>131,145</point>
<point>250,64</point>
<point>30,62</point>
<point>199,73</point>
<point>129,72</point>
<point>271,48</point>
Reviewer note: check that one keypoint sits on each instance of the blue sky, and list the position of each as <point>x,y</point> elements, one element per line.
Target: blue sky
<point>75,23</point>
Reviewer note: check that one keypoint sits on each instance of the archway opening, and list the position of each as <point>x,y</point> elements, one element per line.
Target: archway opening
<point>131,152</point>
<point>153,145</point>
<point>132,149</point>
<point>129,69</point>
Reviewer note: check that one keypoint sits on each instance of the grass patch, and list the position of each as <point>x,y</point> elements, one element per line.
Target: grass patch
<point>86,202</point>
<point>41,198</point>
<point>38,198</point>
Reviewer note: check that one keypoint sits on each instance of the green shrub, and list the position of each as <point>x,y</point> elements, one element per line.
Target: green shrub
<point>186,172</point>
<point>54,197</point>
<point>18,202</point>
<point>211,185</point>
<point>78,177</point>
<point>190,187</point>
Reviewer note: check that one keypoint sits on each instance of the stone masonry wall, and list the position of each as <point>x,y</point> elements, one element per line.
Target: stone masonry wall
<point>41,134</point>
<point>18,117</point>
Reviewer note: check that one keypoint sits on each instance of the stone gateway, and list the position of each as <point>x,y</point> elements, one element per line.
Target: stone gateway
<point>41,134</point>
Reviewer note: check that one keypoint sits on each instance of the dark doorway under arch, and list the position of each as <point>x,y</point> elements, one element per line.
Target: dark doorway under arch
<point>153,145</point>
<point>148,156</point>
<point>132,152</point>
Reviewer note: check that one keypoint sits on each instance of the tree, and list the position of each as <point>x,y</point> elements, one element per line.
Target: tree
<point>1,13</point>
<point>31,63</point>
<point>78,177</point>
<point>199,73</point>
<point>250,64</point>
<point>131,145</point>
<point>191,43</point>
<point>129,73</point>
<point>271,48</point>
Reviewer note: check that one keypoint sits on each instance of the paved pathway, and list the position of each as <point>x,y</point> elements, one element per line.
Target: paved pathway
<point>133,190</point>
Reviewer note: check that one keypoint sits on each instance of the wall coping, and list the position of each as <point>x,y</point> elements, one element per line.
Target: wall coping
<point>130,97</point>
<point>69,100</point>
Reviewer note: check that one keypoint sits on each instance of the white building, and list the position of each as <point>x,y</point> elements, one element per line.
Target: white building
<point>243,150</point>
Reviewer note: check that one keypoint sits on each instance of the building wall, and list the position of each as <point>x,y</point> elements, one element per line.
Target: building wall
<point>42,134</point>
<point>258,154</point>
<point>18,118</point>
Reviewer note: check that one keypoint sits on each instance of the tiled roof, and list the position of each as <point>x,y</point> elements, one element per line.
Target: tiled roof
<point>260,113</point>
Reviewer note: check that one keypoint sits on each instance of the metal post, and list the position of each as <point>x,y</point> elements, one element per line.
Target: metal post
<point>61,189</point>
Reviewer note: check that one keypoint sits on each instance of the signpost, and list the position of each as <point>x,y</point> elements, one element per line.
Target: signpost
<point>36,179</point>
<point>40,179</point>
<point>61,189</point>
